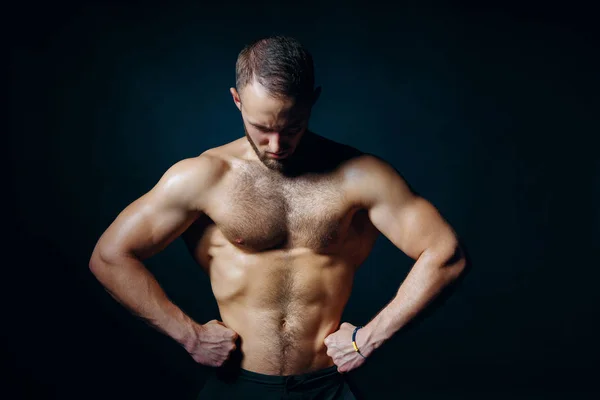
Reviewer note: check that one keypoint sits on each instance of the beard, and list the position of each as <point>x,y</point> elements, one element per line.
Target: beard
<point>271,163</point>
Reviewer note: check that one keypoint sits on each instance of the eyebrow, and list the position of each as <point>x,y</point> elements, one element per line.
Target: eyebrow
<point>266,128</point>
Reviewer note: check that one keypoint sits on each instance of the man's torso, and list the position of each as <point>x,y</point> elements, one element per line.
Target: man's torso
<point>281,254</point>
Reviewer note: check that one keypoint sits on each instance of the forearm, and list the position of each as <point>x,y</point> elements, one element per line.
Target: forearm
<point>429,275</point>
<point>129,282</point>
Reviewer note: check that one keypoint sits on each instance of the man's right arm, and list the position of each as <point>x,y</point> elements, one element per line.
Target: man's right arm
<point>146,227</point>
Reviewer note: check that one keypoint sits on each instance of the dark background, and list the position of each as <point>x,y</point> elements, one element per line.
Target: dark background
<point>490,112</point>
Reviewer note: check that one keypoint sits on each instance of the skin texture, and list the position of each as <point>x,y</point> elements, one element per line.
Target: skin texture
<point>281,239</point>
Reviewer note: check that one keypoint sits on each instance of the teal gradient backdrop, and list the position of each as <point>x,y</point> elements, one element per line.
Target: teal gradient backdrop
<point>490,113</point>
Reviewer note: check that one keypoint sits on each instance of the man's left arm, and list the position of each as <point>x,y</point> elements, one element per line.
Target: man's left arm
<point>415,227</point>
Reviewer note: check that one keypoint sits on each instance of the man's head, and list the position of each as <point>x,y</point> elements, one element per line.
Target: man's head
<point>275,94</point>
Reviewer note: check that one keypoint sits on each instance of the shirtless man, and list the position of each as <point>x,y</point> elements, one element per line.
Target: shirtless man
<point>280,220</point>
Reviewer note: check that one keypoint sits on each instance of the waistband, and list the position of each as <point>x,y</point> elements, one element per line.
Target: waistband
<point>310,379</point>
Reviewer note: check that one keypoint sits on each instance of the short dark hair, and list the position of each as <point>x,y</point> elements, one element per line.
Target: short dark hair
<point>279,63</point>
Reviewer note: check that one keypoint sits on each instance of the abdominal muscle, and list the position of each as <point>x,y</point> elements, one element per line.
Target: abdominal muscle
<point>282,304</point>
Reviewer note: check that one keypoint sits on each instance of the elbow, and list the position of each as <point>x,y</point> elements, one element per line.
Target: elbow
<point>459,267</point>
<point>457,263</point>
<point>99,261</point>
<point>105,258</point>
<point>454,262</point>
<point>96,263</point>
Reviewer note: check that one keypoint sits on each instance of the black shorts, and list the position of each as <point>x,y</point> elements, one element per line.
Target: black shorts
<point>324,384</point>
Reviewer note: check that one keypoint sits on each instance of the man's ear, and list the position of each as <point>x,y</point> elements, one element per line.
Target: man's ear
<point>236,98</point>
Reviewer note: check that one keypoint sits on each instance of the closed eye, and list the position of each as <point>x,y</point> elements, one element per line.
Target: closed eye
<point>294,129</point>
<point>286,131</point>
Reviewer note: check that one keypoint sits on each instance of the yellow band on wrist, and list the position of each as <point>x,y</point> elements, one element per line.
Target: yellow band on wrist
<point>354,341</point>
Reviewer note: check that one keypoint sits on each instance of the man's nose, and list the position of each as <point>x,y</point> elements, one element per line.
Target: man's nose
<point>276,144</point>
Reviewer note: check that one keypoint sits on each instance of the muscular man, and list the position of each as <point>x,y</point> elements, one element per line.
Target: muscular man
<point>280,220</point>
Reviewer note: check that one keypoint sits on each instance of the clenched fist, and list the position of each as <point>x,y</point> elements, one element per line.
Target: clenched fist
<point>213,344</point>
<point>340,348</point>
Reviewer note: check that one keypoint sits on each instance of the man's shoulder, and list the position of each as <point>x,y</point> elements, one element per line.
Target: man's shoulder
<point>215,160</point>
<point>366,164</point>
<point>197,173</point>
<point>190,181</point>
<point>205,166</point>
<point>349,159</point>
<point>364,172</point>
